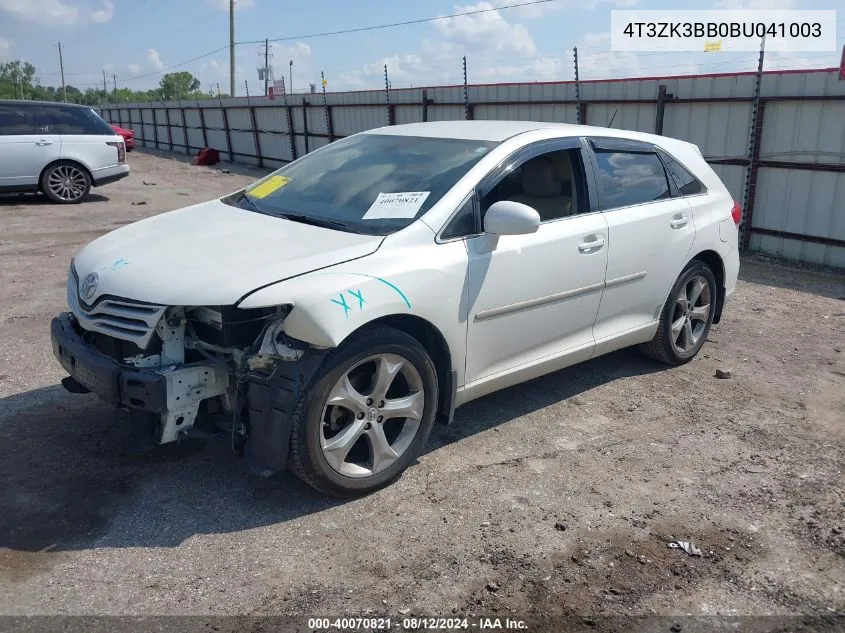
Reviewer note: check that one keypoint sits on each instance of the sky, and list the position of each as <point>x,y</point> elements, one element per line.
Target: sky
<point>137,41</point>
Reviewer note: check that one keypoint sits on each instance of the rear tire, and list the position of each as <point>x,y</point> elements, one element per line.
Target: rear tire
<point>366,415</point>
<point>686,317</point>
<point>66,182</point>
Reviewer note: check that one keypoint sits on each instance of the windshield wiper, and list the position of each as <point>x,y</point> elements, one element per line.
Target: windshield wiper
<point>250,202</point>
<point>324,222</point>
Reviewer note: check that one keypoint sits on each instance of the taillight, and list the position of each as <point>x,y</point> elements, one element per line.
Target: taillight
<point>736,213</point>
<point>121,150</point>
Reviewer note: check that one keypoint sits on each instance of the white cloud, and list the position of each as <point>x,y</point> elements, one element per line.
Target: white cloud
<point>154,58</point>
<point>41,11</point>
<point>135,69</point>
<point>486,30</point>
<point>101,16</point>
<point>223,5</point>
<point>5,47</point>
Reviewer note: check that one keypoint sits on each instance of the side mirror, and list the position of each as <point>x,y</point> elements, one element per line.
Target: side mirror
<point>511,218</point>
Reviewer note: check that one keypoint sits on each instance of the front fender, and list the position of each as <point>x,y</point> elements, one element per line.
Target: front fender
<point>328,306</point>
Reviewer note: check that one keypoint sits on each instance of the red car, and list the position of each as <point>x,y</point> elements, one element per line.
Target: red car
<point>128,136</point>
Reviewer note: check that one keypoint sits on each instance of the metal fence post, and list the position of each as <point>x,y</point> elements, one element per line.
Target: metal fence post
<point>202,125</point>
<point>390,113</point>
<point>328,110</point>
<point>578,112</point>
<point>254,127</point>
<point>467,105</point>
<point>184,126</point>
<point>305,122</point>
<point>291,136</point>
<point>225,113</point>
<point>155,124</point>
<point>662,98</point>
<point>757,109</point>
<point>169,129</point>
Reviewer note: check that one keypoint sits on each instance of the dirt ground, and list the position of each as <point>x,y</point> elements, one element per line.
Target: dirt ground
<point>554,498</point>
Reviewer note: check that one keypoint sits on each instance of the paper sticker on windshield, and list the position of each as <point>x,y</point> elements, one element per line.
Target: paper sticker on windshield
<point>404,204</point>
<point>265,188</point>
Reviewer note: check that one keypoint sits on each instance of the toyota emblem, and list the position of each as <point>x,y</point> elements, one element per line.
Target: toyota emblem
<point>89,286</point>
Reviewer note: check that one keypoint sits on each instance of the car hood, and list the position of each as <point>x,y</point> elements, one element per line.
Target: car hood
<point>210,254</point>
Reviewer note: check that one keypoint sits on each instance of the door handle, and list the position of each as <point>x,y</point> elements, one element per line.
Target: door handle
<point>43,142</point>
<point>591,246</point>
<point>679,222</point>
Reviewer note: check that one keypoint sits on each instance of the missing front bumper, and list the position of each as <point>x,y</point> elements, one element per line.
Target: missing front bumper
<point>173,393</point>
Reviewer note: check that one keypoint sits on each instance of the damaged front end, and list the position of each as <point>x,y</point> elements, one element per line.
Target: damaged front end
<point>191,372</point>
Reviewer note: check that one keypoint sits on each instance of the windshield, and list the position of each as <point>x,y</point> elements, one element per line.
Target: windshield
<point>368,183</point>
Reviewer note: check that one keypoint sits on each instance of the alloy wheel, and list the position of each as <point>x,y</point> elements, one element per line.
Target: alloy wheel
<point>67,182</point>
<point>372,415</point>
<point>691,314</point>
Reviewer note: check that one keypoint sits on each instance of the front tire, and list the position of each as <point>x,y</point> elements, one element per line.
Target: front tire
<point>686,317</point>
<point>66,182</point>
<point>366,416</point>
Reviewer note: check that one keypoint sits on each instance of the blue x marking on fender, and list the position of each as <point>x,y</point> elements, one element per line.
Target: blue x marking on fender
<point>342,303</point>
<point>360,296</point>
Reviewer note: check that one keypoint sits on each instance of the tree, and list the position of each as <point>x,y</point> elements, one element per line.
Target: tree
<point>16,80</point>
<point>179,84</point>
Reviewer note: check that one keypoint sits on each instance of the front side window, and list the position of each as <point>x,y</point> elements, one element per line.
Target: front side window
<point>552,184</point>
<point>68,120</point>
<point>16,121</point>
<point>627,178</point>
<point>369,183</point>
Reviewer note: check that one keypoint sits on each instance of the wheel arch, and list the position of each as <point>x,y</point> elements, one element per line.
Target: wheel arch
<point>58,161</point>
<point>715,263</point>
<point>432,339</point>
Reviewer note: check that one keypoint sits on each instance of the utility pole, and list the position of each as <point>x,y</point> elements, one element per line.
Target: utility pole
<point>232,48</point>
<point>105,90</point>
<point>62,69</point>
<point>114,79</point>
<point>290,83</point>
<point>266,64</point>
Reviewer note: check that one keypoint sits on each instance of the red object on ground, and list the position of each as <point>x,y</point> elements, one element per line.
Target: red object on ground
<point>207,156</point>
<point>128,136</point>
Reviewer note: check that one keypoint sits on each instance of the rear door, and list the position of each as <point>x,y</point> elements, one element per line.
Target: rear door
<point>86,138</point>
<point>27,145</point>
<point>650,234</point>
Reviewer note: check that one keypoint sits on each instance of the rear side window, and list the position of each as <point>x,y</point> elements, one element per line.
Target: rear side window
<point>627,178</point>
<point>16,121</point>
<point>77,121</point>
<point>686,183</point>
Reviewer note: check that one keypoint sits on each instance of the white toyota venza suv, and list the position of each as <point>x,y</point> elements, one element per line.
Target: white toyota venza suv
<point>328,314</point>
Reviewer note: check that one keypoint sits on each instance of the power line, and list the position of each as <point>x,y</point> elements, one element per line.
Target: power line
<point>404,23</point>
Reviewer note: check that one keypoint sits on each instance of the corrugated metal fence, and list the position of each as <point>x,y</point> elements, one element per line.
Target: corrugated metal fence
<point>793,175</point>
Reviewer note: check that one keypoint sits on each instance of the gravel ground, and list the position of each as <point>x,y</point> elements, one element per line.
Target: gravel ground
<point>553,498</point>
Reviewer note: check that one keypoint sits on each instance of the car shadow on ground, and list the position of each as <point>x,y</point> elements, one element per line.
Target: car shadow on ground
<point>27,199</point>
<point>67,484</point>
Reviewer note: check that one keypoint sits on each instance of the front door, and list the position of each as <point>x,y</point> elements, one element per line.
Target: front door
<point>533,298</point>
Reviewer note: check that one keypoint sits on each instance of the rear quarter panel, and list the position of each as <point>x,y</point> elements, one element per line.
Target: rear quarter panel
<point>90,150</point>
